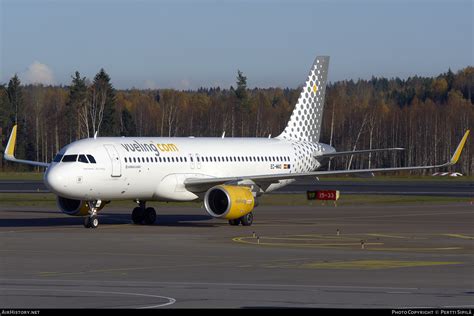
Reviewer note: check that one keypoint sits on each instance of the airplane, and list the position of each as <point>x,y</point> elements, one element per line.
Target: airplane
<point>227,174</point>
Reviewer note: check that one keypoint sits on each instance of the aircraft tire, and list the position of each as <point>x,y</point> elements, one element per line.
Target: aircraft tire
<point>247,220</point>
<point>93,221</point>
<point>137,215</point>
<point>87,223</point>
<point>149,217</point>
<point>234,222</point>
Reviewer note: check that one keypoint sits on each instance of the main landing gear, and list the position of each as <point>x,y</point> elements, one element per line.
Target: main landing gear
<point>143,215</point>
<point>245,220</point>
<point>92,221</point>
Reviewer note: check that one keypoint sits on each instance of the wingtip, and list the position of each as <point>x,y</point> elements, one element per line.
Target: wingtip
<point>10,149</point>
<point>459,149</point>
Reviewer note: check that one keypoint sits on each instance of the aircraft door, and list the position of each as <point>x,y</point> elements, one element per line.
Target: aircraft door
<point>115,160</point>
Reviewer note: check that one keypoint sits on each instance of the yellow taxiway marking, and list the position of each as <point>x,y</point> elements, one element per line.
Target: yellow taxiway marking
<point>255,241</point>
<point>373,264</point>
<point>388,236</point>
<point>416,249</point>
<point>459,236</point>
<point>337,242</point>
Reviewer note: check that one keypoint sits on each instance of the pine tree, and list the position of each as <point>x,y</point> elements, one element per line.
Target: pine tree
<point>128,125</point>
<point>6,115</point>
<point>75,107</point>
<point>106,94</point>
<point>15,96</point>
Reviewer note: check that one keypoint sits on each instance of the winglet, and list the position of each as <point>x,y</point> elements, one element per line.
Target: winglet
<point>458,151</point>
<point>10,149</point>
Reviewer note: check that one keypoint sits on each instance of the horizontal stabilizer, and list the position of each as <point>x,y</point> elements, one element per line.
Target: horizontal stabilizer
<point>356,152</point>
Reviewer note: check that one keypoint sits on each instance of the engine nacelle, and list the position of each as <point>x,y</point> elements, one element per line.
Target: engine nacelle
<point>229,201</point>
<point>74,207</point>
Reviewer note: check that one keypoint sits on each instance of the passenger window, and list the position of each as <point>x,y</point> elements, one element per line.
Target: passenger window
<point>69,158</point>
<point>91,158</point>
<point>83,159</point>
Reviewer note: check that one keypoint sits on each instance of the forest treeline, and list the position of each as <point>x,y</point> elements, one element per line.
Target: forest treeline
<point>425,115</point>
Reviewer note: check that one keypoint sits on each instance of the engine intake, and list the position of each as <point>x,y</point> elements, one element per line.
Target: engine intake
<point>229,201</point>
<point>74,207</point>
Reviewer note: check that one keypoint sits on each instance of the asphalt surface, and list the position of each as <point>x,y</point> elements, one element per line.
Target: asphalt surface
<point>377,256</point>
<point>366,186</point>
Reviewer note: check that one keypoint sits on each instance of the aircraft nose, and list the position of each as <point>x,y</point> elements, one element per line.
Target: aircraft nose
<point>55,180</point>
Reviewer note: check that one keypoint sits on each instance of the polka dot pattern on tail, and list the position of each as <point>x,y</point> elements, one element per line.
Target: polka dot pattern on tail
<point>305,121</point>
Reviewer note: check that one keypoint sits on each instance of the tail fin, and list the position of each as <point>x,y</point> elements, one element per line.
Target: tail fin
<point>305,121</point>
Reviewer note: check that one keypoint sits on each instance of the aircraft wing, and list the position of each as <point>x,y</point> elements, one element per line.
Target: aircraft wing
<point>10,150</point>
<point>203,184</point>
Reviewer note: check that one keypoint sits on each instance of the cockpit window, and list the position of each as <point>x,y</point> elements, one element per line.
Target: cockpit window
<point>69,158</point>
<point>58,158</point>
<point>82,158</point>
<point>91,158</point>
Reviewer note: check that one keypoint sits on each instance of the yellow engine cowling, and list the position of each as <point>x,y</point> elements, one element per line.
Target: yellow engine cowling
<point>229,201</point>
<point>75,207</point>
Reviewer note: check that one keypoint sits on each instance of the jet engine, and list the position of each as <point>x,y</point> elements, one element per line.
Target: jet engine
<point>74,207</point>
<point>229,201</point>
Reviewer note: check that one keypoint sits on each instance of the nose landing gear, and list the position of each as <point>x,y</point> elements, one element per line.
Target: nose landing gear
<point>92,221</point>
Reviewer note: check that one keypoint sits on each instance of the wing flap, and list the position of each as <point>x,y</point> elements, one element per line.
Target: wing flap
<point>356,152</point>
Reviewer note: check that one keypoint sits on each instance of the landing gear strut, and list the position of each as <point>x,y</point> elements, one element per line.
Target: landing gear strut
<point>143,215</point>
<point>92,221</point>
<point>245,220</point>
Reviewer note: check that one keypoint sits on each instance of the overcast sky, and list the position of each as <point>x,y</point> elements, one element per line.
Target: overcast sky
<point>188,44</point>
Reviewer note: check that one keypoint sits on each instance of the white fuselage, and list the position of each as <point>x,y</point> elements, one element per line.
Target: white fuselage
<point>154,168</point>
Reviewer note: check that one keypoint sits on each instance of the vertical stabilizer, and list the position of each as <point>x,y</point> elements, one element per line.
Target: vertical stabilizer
<point>305,121</point>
